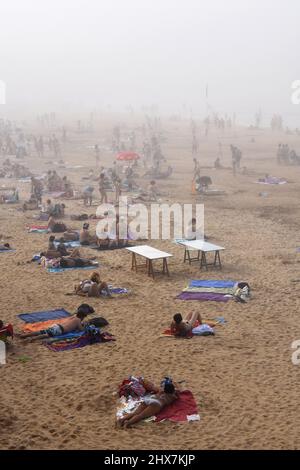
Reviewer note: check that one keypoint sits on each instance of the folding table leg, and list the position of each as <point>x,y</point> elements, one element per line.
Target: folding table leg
<point>133,263</point>
<point>165,267</point>
<point>150,268</point>
<point>203,260</point>
<point>219,260</point>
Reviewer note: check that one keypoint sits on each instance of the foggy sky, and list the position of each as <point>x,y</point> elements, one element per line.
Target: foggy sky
<point>75,54</point>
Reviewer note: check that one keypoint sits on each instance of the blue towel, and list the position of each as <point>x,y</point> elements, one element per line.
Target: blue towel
<point>69,244</point>
<point>6,251</point>
<point>216,284</point>
<point>61,270</point>
<point>44,316</point>
<point>75,334</point>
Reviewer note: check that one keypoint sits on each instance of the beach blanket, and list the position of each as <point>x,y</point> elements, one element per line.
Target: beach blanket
<point>78,342</point>
<point>117,290</point>
<point>204,297</point>
<point>184,409</point>
<point>7,251</point>
<point>44,315</point>
<point>61,270</point>
<point>271,180</point>
<point>39,325</point>
<point>74,244</point>
<point>213,283</point>
<point>216,290</point>
<point>66,336</point>
<point>37,229</point>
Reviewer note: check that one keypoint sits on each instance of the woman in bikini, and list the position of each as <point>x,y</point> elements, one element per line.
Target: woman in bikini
<point>152,404</point>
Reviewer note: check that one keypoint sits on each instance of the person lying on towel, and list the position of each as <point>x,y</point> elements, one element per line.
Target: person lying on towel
<point>152,404</point>
<point>92,287</point>
<point>76,262</point>
<point>183,327</point>
<point>5,247</point>
<point>65,325</point>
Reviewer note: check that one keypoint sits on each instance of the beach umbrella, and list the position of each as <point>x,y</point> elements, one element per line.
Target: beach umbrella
<point>127,156</point>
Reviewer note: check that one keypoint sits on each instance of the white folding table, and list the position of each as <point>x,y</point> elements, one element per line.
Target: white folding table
<point>150,254</point>
<point>202,247</point>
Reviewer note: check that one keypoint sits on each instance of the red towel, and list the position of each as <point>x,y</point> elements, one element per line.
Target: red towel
<point>178,411</point>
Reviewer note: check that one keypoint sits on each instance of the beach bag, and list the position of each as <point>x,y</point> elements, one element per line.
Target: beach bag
<point>133,386</point>
<point>98,322</point>
<point>92,333</point>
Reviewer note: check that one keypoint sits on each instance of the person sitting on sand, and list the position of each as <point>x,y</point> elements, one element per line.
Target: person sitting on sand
<point>192,232</point>
<point>152,404</point>
<point>62,250</point>
<point>5,247</point>
<point>85,237</point>
<point>183,327</point>
<point>92,287</point>
<point>51,244</point>
<point>218,165</point>
<point>65,325</point>
<point>52,251</point>
<point>153,191</point>
<point>88,195</point>
<point>49,209</point>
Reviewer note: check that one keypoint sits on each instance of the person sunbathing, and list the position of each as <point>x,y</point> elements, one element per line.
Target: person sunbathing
<point>92,287</point>
<point>66,325</point>
<point>183,327</point>
<point>152,404</point>
<point>5,247</point>
<point>72,262</point>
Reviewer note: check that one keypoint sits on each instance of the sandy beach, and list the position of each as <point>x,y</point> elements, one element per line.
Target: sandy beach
<point>243,379</point>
